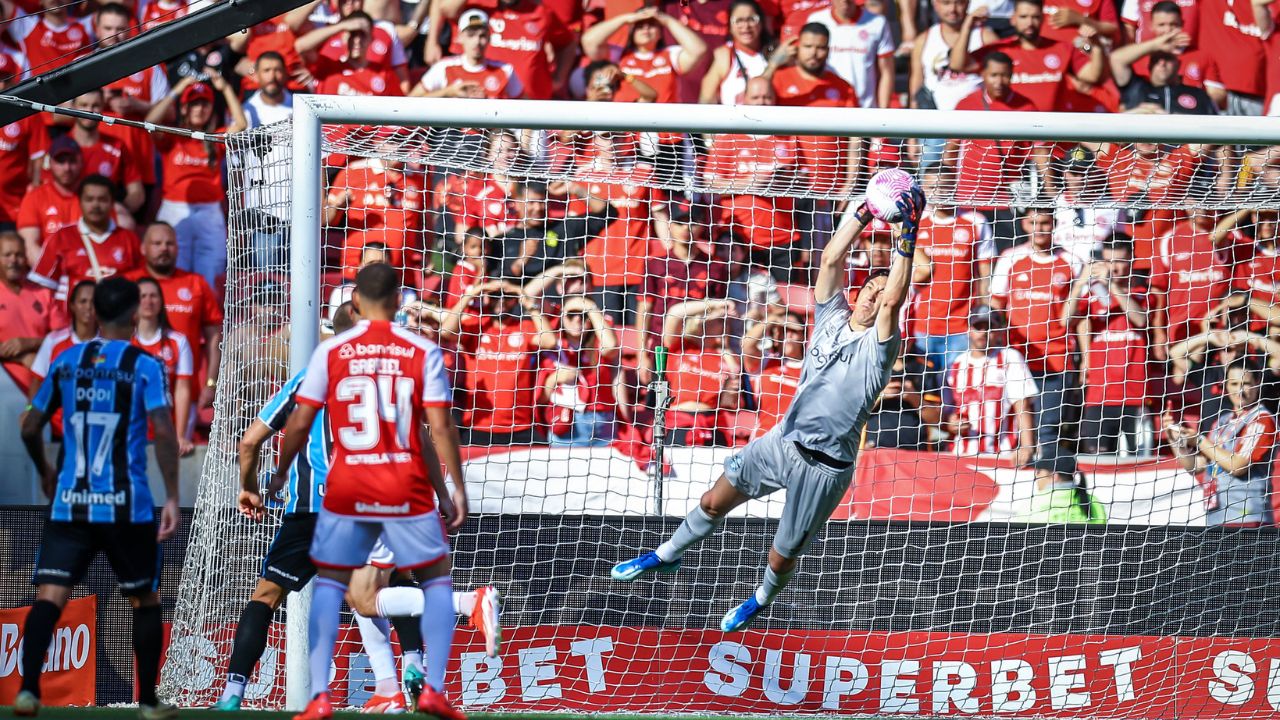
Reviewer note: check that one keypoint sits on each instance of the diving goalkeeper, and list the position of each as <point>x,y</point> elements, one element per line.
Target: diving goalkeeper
<point>812,451</point>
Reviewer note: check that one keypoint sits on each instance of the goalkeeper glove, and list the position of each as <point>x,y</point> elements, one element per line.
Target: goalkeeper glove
<point>911,207</point>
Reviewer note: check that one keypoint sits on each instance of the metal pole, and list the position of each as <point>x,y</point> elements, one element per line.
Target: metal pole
<point>304,317</point>
<point>860,122</point>
<point>661,398</point>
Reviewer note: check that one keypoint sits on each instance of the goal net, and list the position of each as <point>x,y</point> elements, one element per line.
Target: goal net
<point>1063,504</point>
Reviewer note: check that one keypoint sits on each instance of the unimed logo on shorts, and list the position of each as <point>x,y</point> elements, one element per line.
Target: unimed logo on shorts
<point>70,666</point>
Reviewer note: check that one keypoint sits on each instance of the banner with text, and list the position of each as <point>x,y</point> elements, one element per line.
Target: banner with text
<point>70,667</point>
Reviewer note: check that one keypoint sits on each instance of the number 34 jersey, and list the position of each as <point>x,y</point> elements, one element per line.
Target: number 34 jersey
<point>375,381</point>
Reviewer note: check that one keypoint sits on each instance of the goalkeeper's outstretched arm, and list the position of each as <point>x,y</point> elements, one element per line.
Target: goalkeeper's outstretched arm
<point>833,269</point>
<point>898,285</point>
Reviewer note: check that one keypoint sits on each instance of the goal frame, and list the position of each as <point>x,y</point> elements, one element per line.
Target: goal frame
<point>312,112</point>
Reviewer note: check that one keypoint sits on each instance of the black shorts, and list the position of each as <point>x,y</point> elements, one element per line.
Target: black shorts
<point>67,549</point>
<point>288,560</point>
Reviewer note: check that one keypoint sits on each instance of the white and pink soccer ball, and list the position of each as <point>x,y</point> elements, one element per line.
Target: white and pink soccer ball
<point>885,189</point>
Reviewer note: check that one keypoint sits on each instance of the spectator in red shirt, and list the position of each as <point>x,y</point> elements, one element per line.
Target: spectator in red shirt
<point>617,256</point>
<point>706,381</point>
<point>82,328</point>
<point>526,34</point>
<point>20,146</point>
<point>1157,173</point>
<point>1196,68</point>
<point>132,96</point>
<point>1139,18</point>
<point>643,55</point>
<point>192,193</point>
<point>987,168</point>
<point>106,157</point>
<point>1261,275</point>
<point>1031,283</point>
<point>1040,65</point>
<point>191,307</point>
<point>1109,315</point>
<point>25,306</point>
<point>374,200</point>
<point>357,76</point>
<point>49,37</point>
<point>690,269</point>
<point>753,173</point>
<point>1236,35</point>
<point>1192,272</point>
<point>500,347</point>
<point>585,389</point>
<point>960,251</point>
<point>326,50</point>
<point>48,208</point>
<point>170,347</point>
<point>773,357</point>
<point>278,35</point>
<point>472,74</point>
<point>94,248</point>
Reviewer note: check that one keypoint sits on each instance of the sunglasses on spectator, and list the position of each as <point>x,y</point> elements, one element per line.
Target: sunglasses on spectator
<point>748,20</point>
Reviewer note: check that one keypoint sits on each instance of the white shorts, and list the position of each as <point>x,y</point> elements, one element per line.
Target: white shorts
<point>381,556</point>
<point>345,543</point>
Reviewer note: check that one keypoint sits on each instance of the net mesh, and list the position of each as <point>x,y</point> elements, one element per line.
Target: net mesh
<point>1117,282</point>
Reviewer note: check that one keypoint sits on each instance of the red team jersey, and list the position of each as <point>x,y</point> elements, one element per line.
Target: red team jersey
<point>1035,289</point>
<point>1137,14</point>
<point>65,254</point>
<point>1101,10</point>
<point>1159,177</point>
<point>375,380</point>
<point>48,208</point>
<point>159,12</point>
<point>109,159</point>
<point>1230,32</point>
<point>1261,276</point>
<point>502,371</point>
<point>190,304</point>
<point>823,160</point>
<point>987,167</point>
<point>955,246</point>
<point>618,255</point>
<point>1040,74</point>
<point>1192,274</point>
<point>365,82</point>
<point>519,35</point>
<point>173,350</point>
<point>658,69</point>
<point>384,52</point>
<point>696,375</point>
<point>495,79</point>
<point>1117,356</point>
<point>775,389</point>
<point>20,142</point>
<point>743,160</point>
<point>48,47</point>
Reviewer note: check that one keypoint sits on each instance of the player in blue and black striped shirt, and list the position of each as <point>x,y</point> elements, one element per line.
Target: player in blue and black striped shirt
<point>108,390</point>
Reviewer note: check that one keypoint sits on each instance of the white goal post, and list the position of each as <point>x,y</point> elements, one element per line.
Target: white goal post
<point>313,115</point>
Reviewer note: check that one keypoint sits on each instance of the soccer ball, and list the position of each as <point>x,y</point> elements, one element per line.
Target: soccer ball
<point>885,189</point>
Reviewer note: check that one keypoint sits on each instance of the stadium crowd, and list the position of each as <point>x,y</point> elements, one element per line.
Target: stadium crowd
<point>1063,324</point>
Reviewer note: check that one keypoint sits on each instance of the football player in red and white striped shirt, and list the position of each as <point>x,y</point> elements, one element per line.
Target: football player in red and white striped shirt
<point>471,74</point>
<point>377,382</point>
<point>988,394</point>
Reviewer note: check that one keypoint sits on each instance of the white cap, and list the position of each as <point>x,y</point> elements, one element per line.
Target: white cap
<point>475,17</point>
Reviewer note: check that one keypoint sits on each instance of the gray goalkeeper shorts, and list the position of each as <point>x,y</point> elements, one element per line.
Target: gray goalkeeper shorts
<point>814,490</point>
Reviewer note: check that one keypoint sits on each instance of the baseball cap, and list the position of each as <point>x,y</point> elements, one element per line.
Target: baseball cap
<point>198,91</point>
<point>473,18</point>
<point>985,315</point>
<point>64,145</point>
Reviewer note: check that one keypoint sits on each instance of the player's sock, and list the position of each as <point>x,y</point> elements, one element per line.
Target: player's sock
<point>376,635</point>
<point>37,633</point>
<point>409,632</point>
<point>326,606</point>
<point>148,642</point>
<point>772,585</point>
<point>696,526</point>
<point>438,623</point>
<point>247,648</point>
<point>399,602</point>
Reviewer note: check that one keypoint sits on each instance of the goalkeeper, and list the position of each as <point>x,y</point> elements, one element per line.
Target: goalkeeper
<point>812,451</point>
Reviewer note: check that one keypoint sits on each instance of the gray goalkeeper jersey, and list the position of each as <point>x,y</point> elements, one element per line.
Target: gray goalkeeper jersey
<point>844,372</point>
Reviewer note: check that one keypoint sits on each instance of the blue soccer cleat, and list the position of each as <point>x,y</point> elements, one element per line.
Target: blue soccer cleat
<point>648,562</point>
<point>741,616</point>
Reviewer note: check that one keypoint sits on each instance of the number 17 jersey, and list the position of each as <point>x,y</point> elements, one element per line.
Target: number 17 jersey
<point>375,381</point>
